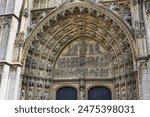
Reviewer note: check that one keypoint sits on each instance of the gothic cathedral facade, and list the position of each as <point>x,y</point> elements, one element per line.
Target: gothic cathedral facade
<point>75,49</point>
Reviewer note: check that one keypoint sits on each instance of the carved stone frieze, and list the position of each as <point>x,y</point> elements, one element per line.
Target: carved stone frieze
<point>83,53</point>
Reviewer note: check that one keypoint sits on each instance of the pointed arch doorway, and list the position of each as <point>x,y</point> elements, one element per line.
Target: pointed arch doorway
<point>66,93</point>
<point>79,41</point>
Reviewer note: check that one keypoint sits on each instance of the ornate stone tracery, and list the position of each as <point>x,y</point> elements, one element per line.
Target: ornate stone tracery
<point>69,38</point>
<point>139,29</point>
<point>4,34</point>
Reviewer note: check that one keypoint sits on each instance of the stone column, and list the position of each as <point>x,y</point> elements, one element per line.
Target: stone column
<point>4,81</point>
<point>147,21</point>
<point>144,81</point>
<point>9,78</point>
<point>139,27</point>
<point>14,83</point>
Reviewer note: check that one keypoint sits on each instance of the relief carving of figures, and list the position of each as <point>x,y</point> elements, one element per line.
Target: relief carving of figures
<point>42,94</point>
<point>83,58</point>
<point>47,84</point>
<point>124,94</point>
<point>46,95</point>
<point>32,81</point>
<point>23,93</point>
<point>20,39</point>
<point>39,93</point>
<point>40,82</point>
<point>31,93</point>
<point>19,43</point>
<point>32,25</point>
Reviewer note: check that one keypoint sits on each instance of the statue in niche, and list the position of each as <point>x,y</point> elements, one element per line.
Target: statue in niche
<point>45,96</point>
<point>39,93</point>
<point>118,95</point>
<point>32,26</point>
<point>39,83</point>
<point>124,94</point>
<point>47,84</point>
<point>30,93</point>
<point>22,93</point>
<point>49,68</point>
<point>82,84</point>
<point>32,82</point>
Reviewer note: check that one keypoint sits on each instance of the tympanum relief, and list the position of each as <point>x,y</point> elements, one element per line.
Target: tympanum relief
<point>83,57</point>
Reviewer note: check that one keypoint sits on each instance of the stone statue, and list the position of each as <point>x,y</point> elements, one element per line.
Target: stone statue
<point>82,95</point>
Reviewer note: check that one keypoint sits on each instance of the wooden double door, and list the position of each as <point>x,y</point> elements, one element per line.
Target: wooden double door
<point>95,93</point>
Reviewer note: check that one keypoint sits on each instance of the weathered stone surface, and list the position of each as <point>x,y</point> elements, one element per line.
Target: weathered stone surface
<point>70,43</point>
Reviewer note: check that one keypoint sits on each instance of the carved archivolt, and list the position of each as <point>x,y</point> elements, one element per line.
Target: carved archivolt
<point>73,42</point>
<point>121,8</point>
<point>126,87</point>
